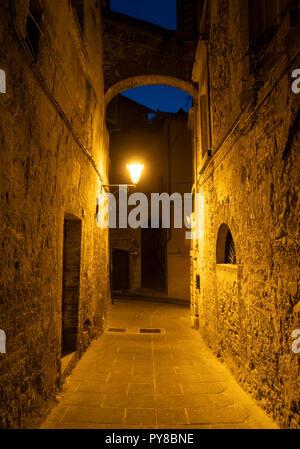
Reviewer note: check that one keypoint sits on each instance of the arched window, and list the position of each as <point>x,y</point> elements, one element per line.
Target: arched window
<point>225,246</point>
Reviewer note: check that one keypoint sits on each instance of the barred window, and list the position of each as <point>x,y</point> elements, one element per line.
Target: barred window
<point>225,246</point>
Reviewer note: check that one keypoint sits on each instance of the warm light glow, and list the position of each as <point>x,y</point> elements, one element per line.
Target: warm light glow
<point>135,171</point>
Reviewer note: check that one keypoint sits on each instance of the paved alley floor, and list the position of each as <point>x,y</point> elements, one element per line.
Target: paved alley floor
<point>164,380</point>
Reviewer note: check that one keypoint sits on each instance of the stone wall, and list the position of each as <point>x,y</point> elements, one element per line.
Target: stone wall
<point>250,182</point>
<point>53,147</point>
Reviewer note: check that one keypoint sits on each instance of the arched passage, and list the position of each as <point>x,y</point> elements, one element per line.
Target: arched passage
<point>148,80</point>
<point>138,53</point>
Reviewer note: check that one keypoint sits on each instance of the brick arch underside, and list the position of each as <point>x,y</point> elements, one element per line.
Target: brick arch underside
<point>148,80</point>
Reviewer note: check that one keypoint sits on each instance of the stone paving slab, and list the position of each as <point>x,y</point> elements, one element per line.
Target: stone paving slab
<point>204,388</point>
<point>142,416</point>
<point>100,415</point>
<point>163,381</point>
<point>212,415</point>
<point>172,416</point>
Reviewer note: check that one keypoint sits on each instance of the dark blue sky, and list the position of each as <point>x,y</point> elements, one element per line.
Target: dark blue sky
<point>163,13</point>
<point>164,98</point>
<point>160,12</point>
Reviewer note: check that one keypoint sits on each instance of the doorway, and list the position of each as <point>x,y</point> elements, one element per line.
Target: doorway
<point>71,284</point>
<point>153,259</point>
<point>120,269</point>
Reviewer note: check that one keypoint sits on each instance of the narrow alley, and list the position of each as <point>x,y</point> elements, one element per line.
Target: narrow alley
<point>149,215</point>
<point>170,379</point>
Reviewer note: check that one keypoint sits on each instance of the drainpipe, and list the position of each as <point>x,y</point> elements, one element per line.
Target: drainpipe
<point>169,191</point>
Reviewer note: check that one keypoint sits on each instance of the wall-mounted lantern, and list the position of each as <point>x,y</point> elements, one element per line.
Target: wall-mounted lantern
<point>135,171</point>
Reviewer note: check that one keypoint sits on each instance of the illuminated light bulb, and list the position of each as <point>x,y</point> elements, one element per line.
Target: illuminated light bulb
<point>135,171</point>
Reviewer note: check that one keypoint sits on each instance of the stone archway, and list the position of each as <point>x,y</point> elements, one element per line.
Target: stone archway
<point>137,53</point>
<point>148,80</point>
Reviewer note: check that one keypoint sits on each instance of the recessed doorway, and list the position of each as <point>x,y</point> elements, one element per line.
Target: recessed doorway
<point>71,284</point>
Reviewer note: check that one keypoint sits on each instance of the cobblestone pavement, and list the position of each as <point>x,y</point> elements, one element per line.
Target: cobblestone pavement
<point>165,380</point>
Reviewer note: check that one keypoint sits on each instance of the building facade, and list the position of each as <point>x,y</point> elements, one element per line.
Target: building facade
<point>54,156</point>
<point>245,257</point>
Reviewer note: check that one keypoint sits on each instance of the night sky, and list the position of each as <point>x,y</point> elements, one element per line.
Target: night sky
<point>160,12</point>
<point>163,13</point>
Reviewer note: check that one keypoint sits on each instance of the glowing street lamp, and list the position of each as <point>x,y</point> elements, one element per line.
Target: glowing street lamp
<point>135,171</point>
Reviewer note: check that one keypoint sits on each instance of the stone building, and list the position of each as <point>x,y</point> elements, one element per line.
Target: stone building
<point>54,286</point>
<point>245,257</point>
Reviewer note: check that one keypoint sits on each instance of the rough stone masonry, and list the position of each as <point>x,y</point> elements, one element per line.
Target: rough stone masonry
<point>51,131</point>
<point>247,171</point>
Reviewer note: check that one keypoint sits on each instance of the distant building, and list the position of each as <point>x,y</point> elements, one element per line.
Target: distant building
<point>154,260</point>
